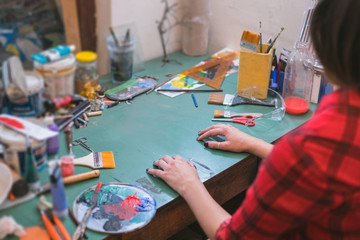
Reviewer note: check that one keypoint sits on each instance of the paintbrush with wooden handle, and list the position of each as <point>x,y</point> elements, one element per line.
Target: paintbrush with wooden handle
<point>229,114</point>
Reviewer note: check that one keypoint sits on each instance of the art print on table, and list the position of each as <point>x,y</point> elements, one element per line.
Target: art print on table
<point>182,81</point>
<point>120,208</point>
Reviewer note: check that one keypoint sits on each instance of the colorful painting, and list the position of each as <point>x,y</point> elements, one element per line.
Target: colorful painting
<point>182,81</point>
<point>120,208</point>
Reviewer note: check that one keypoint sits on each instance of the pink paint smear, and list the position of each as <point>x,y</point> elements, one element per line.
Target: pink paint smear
<point>126,209</point>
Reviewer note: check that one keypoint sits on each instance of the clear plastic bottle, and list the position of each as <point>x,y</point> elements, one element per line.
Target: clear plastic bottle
<point>298,79</point>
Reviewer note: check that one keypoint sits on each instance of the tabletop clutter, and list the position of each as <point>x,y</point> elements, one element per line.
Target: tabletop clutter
<point>63,92</point>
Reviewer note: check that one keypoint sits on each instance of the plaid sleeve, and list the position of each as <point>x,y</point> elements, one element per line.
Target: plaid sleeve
<point>308,188</point>
<point>288,190</point>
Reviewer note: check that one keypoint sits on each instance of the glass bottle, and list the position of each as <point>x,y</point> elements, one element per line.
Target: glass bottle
<point>298,79</point>
<point>86,70</point>
<point>195,27</point>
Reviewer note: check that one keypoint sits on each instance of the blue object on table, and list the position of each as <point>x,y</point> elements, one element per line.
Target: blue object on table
<point>194,99</point>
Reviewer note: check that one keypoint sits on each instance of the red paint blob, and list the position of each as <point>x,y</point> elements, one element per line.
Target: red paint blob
<point>12,122</point>
<point>296,105</point>
<point>126,209</point>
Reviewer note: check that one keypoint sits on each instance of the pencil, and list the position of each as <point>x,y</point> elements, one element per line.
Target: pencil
<point>189,90</point>
<point>194,99</point>
<point>167,80</point>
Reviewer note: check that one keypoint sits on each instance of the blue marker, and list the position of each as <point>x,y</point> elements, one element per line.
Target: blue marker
<point>194,99</point>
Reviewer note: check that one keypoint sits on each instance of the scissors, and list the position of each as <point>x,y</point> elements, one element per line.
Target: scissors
<point>247,120</point>
<point>81,141</point>
<point>53,225</point>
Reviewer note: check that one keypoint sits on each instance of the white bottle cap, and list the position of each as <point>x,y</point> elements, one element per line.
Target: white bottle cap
<point>72,47</point>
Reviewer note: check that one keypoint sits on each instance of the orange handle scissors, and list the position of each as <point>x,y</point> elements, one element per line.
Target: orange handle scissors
<point>247,120</point>
<point>53,225</point>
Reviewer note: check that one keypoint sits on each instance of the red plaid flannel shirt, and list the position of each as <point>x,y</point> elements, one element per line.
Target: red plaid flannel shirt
<point>309,186</point>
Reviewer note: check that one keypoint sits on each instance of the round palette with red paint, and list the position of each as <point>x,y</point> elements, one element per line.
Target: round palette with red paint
<point>120,208</point>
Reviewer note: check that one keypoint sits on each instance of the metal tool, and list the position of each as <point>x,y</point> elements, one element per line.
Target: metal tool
<point>81,141</point>
<point>53,225</point>
<point>69,139</point>
<point>79,232</point>
<point>247,120</point>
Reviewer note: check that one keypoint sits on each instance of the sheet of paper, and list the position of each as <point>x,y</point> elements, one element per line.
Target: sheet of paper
<point>32,130</point>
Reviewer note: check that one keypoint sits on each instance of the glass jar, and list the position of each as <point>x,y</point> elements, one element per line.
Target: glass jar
<point>86,70</point>
<point>298,79</point>
<point>195,27</point>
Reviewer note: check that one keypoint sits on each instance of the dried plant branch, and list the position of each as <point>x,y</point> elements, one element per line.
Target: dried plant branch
<point>168,10</point>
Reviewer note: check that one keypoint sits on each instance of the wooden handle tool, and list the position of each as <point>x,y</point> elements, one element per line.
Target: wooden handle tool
<point>81,176</point>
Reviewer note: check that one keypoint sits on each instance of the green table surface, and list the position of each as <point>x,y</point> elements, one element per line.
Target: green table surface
<point>152,126</point>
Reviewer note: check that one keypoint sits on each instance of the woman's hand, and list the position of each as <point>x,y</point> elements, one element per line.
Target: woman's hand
<point>235,140</point>
<point>181,175</point>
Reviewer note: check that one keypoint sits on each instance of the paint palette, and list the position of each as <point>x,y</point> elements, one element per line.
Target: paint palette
<point>120,208</point>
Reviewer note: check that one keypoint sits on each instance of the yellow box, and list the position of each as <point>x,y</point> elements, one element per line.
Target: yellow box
<point>255,70</point>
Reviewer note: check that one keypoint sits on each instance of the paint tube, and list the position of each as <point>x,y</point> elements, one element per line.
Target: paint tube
<point>31,174</point>
<point>52,143</point>
<point>53,54</point>
<point>60,207</point>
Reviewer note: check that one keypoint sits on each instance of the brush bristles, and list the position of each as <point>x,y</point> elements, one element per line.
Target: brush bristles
<point>216,98</point>
<point>250,37</point>
<point>108,159</point>
<point>218,113</point>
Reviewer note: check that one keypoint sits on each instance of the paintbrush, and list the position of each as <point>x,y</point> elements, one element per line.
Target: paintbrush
<point>249,40</point>
<point>273,42</point>
<point>80,230</point>
<point>229,114</point>
<point>127,37</point>
<point>114,36</point>
<point>97,160</point>
<point>46,188</point>
<point>260,39</point>
<point>72,216</point>
<point>189,90</point>
<point>71,179</point>
<point>232,100</point>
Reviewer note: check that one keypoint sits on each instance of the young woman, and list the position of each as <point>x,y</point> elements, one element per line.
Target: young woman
<point>308,185</point>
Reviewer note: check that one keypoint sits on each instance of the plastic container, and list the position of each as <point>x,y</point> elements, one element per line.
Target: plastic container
<point>276,114</point>
<point>32,104</point>
<point>15,150</point>
<point>121,58</point>
<point>195,27</point>
<point>67,166</point>
<point>298,80</point>
<point>58,76</point>
<point>86,70</point>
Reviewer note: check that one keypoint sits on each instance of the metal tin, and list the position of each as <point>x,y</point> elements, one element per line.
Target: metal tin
<point>32,104</point>
<point>14,145</point>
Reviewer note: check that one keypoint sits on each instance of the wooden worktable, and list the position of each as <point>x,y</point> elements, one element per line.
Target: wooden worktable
<point>155,125</point>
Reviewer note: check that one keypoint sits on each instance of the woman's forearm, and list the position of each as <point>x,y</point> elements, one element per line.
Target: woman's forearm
<point>206,210</point>
<point>259,147</point>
